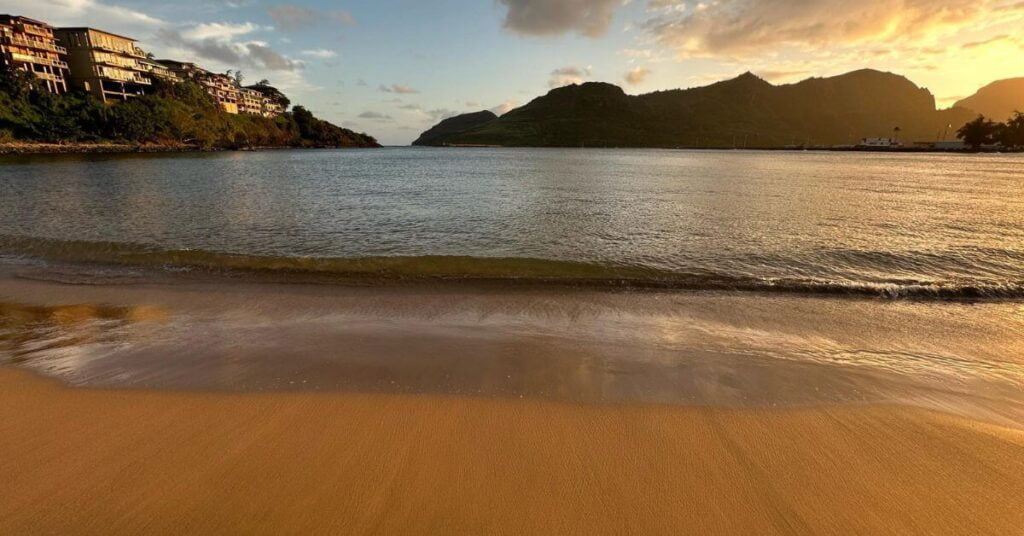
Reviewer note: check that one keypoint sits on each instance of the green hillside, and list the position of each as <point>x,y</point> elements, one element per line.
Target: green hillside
<point>173,114</point>
<point>743,112</point>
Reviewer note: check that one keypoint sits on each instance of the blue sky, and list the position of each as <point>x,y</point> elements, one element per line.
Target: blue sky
<point>393,68</point>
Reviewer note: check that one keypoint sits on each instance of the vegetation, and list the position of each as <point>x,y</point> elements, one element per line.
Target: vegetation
<point>172,114</point>
<point>743,112</point>
<point>453,126</point>
<point>1011,133</point>
<point>983,131</point>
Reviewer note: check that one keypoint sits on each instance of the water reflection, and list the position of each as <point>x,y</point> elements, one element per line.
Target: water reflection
<point>816,216</point>
<point>28,332</point>
<point>730,351</point>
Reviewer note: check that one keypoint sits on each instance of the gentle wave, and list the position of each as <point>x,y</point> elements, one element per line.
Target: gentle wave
<point>513,270</point>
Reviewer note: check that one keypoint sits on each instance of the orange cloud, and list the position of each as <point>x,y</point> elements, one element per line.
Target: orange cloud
<point>738,28</point>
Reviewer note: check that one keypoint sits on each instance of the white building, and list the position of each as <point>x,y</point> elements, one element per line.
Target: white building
<point>879,142</point>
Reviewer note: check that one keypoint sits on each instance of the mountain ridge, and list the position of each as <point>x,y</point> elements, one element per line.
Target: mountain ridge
<point>745,111</point>
<point>998,100</point>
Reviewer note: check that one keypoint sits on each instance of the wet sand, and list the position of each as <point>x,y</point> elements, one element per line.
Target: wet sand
<point>79,461</point>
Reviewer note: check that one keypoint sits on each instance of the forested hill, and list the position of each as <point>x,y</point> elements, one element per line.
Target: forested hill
<point>742,112</point>
<point>174,114</point>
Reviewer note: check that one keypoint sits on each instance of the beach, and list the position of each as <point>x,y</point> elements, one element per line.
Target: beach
<point>511,342</point>
<point>184,407</point>
<point>130,462</point>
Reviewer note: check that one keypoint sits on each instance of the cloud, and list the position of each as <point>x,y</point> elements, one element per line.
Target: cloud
<point>590,18</point>
<point>376,116</point>
<point>566,76</point>
<point>290,18</point>
<point>321,53</point>
<point>86,13</point>
<point>398,88</point>
<point>991,41</point>
<point>656,5</point>
<point>435,115</point>
<point>744,28</point>
<point>637,76</point>
<point>505,107</point>
<point>439,114</point>
<point>227,52</point>
<point>218,30</point>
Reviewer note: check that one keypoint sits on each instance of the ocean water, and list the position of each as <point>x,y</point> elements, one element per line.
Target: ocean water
<point>895,225</point>
<point>599,276</point>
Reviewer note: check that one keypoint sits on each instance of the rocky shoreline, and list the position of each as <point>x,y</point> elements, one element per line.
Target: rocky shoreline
<point>23,148</point>
<point>89,148</point>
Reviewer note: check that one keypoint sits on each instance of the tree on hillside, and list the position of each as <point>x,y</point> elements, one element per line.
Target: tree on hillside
<point>17,83</point>
<point>1012,132</point>
<point>980,131</point>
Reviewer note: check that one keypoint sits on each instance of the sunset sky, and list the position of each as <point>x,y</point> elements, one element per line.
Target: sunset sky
<point>394,67</point>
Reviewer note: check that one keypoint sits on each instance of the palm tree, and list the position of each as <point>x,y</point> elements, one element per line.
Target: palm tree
<point>978,132</point>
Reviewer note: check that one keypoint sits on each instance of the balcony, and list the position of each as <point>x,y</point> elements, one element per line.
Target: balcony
<point>48,76</point>
<point>34,30</point>
<point>36,44</point>
<point>38,60</point>
<point>119,51</point>
<point>121,75</point>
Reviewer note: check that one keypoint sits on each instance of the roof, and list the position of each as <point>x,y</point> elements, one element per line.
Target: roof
<point>262,89</point>
<point>175,62</point>
<point>88,28</point>
<point>26,19</point>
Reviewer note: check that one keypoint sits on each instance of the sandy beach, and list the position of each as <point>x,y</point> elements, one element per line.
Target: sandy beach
<point>79,461</point>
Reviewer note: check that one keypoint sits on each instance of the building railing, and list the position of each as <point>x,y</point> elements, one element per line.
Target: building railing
<point>41,60</point>
<point>120,75</point>
<point>123,64</point>
<point>36,30</point>
<point>35,43</point>
<point>124,52</point>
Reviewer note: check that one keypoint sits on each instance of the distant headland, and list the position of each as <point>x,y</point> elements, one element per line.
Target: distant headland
<point>860,110</point>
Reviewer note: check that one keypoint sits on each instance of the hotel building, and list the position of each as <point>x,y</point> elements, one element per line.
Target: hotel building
<point>224,89</point>
<point>107,65</point>
<point>221,87</point>
<point>250,100</point>
<point>255,102</point>
<point>158,70</point>
<point>29,45</point>
<point>271,99</point>
<point>112,67</point>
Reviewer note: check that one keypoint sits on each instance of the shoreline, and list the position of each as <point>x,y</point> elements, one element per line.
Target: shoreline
<point>117,462</point>
<point>691,349</point>
<point>29,149</point>
<point>894,150</point>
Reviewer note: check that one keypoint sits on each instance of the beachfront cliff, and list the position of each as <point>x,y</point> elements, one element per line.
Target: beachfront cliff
<point>742,112</point>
